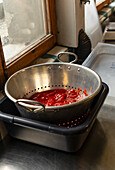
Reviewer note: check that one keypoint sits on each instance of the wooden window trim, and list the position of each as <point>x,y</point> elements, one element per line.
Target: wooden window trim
<point>100,6</point>
<point>29,56</point>
<point>37,49</point>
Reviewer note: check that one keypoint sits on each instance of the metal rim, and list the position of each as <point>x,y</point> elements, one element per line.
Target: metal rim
<point>63,106</point>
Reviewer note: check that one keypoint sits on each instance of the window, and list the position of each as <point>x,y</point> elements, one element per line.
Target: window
<point>101,3</point>
<point>28,30</point>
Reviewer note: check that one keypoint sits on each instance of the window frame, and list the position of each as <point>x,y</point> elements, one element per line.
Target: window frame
<point>36,50</point>
<point>101,5</point>
<point>2,67</point>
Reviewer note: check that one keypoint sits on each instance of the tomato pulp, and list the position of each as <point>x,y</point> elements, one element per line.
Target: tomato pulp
<point>57,97</point>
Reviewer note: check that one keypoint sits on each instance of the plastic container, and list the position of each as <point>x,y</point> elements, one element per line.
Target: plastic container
<point>102,61</point>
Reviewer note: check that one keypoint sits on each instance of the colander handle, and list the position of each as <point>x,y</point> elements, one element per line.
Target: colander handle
<point>69,53</point>
<point>28,105</point>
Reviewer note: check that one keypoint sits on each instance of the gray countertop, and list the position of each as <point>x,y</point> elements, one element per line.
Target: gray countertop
<point>97,153</point>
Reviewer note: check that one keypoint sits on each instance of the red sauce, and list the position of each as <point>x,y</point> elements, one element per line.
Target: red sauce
<point>57,97</point>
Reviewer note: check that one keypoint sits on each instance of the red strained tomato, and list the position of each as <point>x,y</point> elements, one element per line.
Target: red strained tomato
<point>57,97</point>
<point>60,97</point>
<point>85,92</point>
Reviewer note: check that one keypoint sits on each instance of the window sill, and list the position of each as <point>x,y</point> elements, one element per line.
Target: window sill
<point>50,56</point>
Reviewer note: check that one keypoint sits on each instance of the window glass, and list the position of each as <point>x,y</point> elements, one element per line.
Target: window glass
<point>22,23</point>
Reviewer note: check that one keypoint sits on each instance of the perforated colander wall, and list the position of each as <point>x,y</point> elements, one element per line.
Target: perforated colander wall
<point>49,87</point>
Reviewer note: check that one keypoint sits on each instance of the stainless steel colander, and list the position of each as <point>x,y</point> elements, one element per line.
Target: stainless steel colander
<point>37,78</point>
